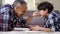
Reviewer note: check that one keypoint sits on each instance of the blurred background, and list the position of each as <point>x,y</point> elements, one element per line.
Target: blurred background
<point>32,5</point>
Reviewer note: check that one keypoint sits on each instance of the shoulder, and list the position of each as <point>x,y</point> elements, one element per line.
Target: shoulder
<point>5,8</point>
<point>54,16</point>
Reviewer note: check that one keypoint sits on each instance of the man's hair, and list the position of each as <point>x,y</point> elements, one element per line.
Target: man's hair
<point>45,5</point>
<point>18,2</point>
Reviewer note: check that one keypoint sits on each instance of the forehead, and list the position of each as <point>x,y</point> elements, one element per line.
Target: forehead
<point>40,10</point>
<point>24,4</point>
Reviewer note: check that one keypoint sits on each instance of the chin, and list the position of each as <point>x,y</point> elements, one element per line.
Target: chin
<point>21,16</point>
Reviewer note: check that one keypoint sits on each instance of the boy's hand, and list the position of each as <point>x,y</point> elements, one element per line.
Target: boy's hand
<point>35,28</point>
<point>35,13</point>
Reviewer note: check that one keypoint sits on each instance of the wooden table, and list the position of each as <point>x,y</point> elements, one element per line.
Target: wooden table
<point>28,32</point>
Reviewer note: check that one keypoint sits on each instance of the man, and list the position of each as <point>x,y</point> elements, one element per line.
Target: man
<point>45,10</point>
<point>20,7</point>
<point>12,16</point>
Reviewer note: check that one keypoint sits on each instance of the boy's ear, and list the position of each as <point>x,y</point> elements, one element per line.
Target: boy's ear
<point>46,9</point>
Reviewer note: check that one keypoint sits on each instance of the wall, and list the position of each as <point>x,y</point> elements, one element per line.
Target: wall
<point>54,2</point>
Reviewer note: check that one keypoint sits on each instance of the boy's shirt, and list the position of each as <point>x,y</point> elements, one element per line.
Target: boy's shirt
<point>52,21</point>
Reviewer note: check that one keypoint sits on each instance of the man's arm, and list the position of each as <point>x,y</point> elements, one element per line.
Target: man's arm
<point>29,19</point>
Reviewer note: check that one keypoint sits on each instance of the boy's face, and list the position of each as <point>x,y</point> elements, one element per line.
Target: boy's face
<point>43,12</point>
<point>21,10</point>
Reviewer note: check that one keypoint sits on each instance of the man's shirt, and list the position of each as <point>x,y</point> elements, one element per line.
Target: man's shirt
<point>18,22</point>
<point>8,20</point>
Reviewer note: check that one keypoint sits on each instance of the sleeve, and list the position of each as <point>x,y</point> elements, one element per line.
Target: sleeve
<point>54,24</point>
<point>4,12</point>
<point>52,27</point>
<point>23,22</point>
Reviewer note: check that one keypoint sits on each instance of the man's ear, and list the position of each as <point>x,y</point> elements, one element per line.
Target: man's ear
<point>16,8</point>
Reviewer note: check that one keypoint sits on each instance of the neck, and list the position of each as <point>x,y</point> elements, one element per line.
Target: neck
<point>42,16</point>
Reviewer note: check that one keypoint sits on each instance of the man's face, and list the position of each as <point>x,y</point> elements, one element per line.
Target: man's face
<point>43,12</point>
<point>20,10</point>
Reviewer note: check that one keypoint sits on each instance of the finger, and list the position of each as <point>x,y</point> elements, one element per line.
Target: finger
<point>30,26</point>
<point>30,29</point>
<point>36,12</point>
<point>37,25</point>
